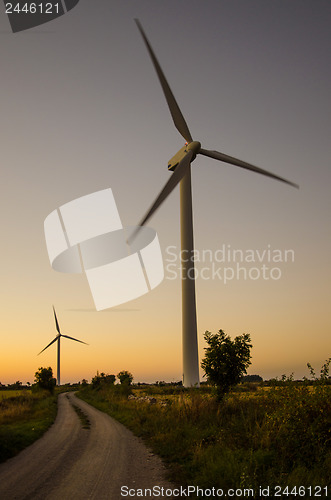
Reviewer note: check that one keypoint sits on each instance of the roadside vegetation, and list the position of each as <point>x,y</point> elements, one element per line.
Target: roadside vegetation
<point>235,431</point>
<point>26,413</point>
<point>279,434</point>
<point>23,419</point>
<point>9,393</point>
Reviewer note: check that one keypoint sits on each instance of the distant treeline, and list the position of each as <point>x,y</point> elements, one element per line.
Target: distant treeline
<point>251,379</point>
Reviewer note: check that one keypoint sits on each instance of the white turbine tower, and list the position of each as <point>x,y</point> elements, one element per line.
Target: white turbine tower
<point>181,165</point>
<point>57,339</point>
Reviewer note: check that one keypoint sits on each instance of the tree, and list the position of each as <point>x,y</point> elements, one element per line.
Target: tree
<point>110,379</point>
<point>226,360</point>
<point>102,379</point>
<point>44,379</point>
<point>125,377</point>
<point>96,380</point>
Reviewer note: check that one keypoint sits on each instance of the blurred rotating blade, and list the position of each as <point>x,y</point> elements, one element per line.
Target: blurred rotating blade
<point>239,163</point>
<point>175,178</point>
<point>176,113</point>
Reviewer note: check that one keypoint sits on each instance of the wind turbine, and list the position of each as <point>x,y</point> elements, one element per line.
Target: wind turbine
<point>57,339</point>
<point>180,164</point>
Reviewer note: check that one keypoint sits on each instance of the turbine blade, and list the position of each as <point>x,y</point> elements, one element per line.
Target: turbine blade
<point>71,338</point>
<point>239,163</point>
<point>175,178</point>
<point>56,322</point>
<point>54,340</point>
<point>176,113</point>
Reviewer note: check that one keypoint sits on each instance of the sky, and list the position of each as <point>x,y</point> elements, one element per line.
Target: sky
<point>82,110</point>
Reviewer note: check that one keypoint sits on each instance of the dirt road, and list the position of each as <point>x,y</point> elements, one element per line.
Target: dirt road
<point>73,463</point>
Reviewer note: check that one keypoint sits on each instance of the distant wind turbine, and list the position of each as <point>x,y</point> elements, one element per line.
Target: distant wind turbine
<point>57,339</point>
<point>181,165</point>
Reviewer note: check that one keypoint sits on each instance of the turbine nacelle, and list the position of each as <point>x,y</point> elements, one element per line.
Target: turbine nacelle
<point>193,146</point>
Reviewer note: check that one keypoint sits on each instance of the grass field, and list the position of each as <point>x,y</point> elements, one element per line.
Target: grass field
<point>279,436</point>
<point>24,417</point>
<point>12,393</point>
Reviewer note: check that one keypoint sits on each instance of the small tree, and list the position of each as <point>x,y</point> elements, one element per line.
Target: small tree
<point>44,379</point>
<point>324,373</point>
<point>110,379</point>
<point>102,379</point>
<point>125,377</point>
<point>226,360</point>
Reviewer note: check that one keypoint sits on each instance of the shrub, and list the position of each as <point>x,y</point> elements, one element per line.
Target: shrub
<point>226,360</point>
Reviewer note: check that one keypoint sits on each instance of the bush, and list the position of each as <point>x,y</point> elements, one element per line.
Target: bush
<point>102,379</point>
<point>298,422</point>
<point>44,379</point>
<point>125,377</point>
<point>226,360</point>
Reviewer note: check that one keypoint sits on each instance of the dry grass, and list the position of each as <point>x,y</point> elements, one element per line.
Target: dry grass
<point>13,394</point>
<point>271,436</point>
<point>23,419</point>
<point>15,405</point>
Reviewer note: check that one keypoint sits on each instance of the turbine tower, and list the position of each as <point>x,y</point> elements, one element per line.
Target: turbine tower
<point>180,164</point>
<point>57,339</point>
